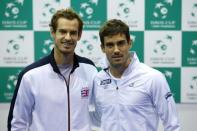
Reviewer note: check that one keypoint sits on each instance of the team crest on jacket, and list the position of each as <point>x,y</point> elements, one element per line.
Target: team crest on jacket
<point>84,92</point>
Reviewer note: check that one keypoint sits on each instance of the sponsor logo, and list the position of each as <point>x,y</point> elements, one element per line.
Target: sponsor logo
<point>105,82</point>
<point>169,94</point>
<point>131,85</point>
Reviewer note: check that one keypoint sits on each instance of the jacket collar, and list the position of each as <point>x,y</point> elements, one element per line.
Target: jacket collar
<point>54,64</point>
<point>131,66</point>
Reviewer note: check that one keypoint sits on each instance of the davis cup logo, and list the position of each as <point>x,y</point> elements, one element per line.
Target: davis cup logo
<point>161,46</point>
<point>133,37</point>
<point>87,9</point>
<point>168,74</point>
<point>13,46</point>
<point>124,8</point>
<point>161,9</point>
<point>193,84</point>
<point>11,81</point>
<point>193,48</point>
<point>49,8</point>
<point>194,10</point>
<point>88,45</point>
<point>13,9</point>
<point>47,46</point>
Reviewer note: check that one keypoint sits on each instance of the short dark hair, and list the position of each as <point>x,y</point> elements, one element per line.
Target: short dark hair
<point>113,27</point>
<point>68,13</point>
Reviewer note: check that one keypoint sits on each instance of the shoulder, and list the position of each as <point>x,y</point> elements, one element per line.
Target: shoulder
<point>101,76</point>
<point>35,65</point>
<point>151,73</point>
<point>85,60</point>
<point>86,67</point>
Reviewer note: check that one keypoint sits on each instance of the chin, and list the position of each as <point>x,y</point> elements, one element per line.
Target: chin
<point>116,65</point>
<point>66,51</point>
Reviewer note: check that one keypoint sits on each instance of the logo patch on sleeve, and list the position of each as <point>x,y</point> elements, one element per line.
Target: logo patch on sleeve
<point>169,94</point>
<point>84,92</point>
<point>105,82</point>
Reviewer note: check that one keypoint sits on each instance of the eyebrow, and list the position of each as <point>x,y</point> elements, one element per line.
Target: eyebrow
<point>66,30</point>
<point>115,42</point>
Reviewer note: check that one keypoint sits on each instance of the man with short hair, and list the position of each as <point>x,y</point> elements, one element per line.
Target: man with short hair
<point>52,94</point>
<point>127,94</point>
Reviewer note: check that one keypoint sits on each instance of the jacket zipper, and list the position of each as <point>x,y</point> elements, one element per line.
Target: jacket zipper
<point>68,99</point>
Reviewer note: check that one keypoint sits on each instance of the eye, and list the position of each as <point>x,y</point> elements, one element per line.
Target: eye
<point>109,45</point>
<point>61,31</point>
<point>73,33</point>
<point>121,43</point>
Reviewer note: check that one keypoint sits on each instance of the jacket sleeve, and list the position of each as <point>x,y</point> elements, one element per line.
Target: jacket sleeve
<point>20,113</point>
<point>95,116</point>
<point>164,103</point>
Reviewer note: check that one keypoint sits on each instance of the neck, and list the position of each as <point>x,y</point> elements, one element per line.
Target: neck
<point>62,59</point>
<point>117,71</point>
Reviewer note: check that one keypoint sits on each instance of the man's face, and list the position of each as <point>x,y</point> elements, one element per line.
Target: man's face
<point>66,35</point>
<point>116,48</point>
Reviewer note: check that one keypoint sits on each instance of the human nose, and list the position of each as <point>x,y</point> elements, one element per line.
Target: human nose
<point>116,48</point>
<point>67,36</point>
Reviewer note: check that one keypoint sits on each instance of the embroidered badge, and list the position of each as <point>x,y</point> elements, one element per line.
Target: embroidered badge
<point>84,92</point>
<point>169,94</point>
<point>105,82</point>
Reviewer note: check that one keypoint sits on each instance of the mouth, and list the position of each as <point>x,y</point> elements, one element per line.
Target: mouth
<point>68,43</point>
<point>117,56</point>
